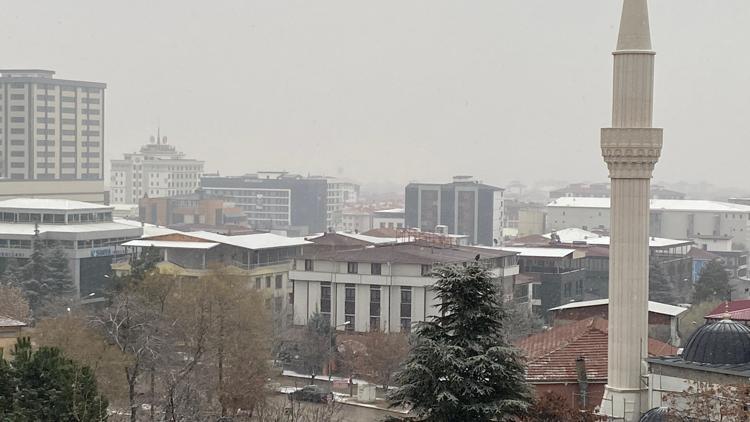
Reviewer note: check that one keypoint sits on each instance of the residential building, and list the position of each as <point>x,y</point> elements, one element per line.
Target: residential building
<point>571,360</point>
<point>195,208</point>
<point>394,218</point>
<point>52,136</point>
<point>662,317</point>
<point>10,331</point>
<point>275,200</point>
<point>465,206</point>
<point>156,170</point>
<point>525,217</point>
<point>695,220</point>
<point>263,260</point>
<point>87,233</point>
<point>341,194</point>
<point>383,287</point>
<point>355,220</point>
<point>603,190</point>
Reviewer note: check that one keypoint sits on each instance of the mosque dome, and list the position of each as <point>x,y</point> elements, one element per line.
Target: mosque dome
<point>657,414</point>
<point>725,342</point>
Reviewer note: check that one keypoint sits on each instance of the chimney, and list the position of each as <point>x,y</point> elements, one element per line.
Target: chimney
<point>583,380</point>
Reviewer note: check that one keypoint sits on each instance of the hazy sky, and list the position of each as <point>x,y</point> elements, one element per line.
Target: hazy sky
<point>396,90</point>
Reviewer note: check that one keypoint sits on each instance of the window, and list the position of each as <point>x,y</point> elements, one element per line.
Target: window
<point>375,268</point>
<point>309,265</point>
<point>352,267</point>
<point>350,294</point>
<point>566,290</point>
<point>268,282</point>
<point>405,309</point>
<point>426,270</point>
<point>579,287</point>
<point>374,307</point>
<point>325,299</point>
<point>278,302</point>
<point>279,281</point>
<point>536,291</point>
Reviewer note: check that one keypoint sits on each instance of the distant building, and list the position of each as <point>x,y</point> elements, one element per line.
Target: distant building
<point>736,310</point>
<point>526,218</point>
<point>464,206</point>
<point>157,170</point>
<point>85,231</point>
<point>52,137</point>
<point>602,190</point>
<point>10,331</point>
<point>195,208</point>
<point>382,287</point>
<point>342,193</point>
<point>389,219</point>
<point>719,225</point>
<point>355,220</point>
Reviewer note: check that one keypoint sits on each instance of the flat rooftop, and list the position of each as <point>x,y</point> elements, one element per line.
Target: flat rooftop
<point>656,204</point>
<point>410,253</point>
<point>43,204</point>
<point>655,307</point>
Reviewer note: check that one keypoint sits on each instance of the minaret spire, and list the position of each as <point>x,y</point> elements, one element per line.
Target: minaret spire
<point>635,33</point>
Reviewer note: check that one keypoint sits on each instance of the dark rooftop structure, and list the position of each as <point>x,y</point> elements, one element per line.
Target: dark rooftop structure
<point>723,343</point>
<point>411,253</point>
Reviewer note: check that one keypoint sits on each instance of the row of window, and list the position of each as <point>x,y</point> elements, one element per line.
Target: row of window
<point>350,305</point>
<point>25,217</point>
<point>278,282</point>
<point>376,268</point>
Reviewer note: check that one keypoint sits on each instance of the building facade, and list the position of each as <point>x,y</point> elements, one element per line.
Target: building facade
<point>465,206</point>
<point>52,134</point>
<point>195,208</point>
<point>342,193</point>
<point>157,170</point>
<point>387,287</point>
<point>85,231</point>
<point>275,200</point>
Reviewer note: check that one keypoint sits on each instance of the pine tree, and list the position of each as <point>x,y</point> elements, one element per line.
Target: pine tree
<point>660,287</point>
<point>712,284</point>
<point>315,348</point>
<point>145,262</point>
<point>12,274</point>
<point>34,274</point>
<point>60,279</point>
<point>47,386</point>
<point>462,367</point>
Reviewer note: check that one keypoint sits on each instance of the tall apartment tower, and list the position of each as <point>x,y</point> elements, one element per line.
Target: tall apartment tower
<point>157,170</point>
<point>51,130</point>
<point>464,207</point>
<point>631,148</point>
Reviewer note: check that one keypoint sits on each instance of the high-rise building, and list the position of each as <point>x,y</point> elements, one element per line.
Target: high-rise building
<point>275,200</point>
<point>465,206</point>
<point>51,136</point>
<point>631,148</point>
<point>157,170</point>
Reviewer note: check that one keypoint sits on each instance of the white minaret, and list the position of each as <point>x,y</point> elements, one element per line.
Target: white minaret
<point>631,148</point>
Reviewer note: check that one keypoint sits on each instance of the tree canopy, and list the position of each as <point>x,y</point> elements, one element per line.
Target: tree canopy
<point>712,284</point>
<point>462,367</point>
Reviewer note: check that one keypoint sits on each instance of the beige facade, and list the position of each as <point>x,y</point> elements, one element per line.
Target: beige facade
<point>77,190</point>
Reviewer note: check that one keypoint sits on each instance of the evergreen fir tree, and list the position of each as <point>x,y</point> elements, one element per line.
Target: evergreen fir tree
<point>47,386</point>
<point>462,367</point>
<point>140,265</point>
<point>60,279</point>
<point>712,284</point>
<point>660,287</point>
<point>12,274</point>
<point>316,346</point>
<point>34,274</point>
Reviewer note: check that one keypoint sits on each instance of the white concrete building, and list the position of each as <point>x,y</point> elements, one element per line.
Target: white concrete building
<point>86,232</point>
<point>51,136</point>
<point>157,170</point>
<point>386,287</point>
<point>341,194</point>
<point>704,222</point>
<point>393,218</point>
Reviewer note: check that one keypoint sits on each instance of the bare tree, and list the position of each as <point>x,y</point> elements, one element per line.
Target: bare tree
<point>296,411</point>
<point>13,304</point>
<point>384,353</point>
<point>714,402</point>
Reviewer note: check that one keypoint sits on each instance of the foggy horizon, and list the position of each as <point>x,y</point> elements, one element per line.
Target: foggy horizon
<point>391,92</point>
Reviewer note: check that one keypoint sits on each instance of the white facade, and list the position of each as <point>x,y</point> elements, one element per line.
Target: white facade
<point>158,170</point>
<point>389,219</point>
<point>51,128</point>
<point>355,221</point>
<point>391,301</point>
<point>675,219</point>
<point>341,193</point>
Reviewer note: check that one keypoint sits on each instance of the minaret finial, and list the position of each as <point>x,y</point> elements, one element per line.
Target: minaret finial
<point>635,33</point>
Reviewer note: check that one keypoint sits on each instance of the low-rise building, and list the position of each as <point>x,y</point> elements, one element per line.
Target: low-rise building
<point>10,331</point>
<point>194,208</point>
<point>383,287</point>
<point>263,259</point>
<point>393,218</point>
<point>86,232</point>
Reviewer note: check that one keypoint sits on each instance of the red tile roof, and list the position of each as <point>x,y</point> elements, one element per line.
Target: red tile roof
<point>739,310</point>
<point>551,355</point>
<point>700,254</point>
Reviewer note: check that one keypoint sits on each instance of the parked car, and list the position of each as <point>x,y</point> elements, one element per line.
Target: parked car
<point>313,393</point>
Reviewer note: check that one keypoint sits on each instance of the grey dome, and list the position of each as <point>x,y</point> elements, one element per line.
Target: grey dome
<point>657,414</point>
<point>725,342</point>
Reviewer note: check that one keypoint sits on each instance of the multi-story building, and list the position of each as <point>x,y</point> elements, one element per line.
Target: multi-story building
<point>263,260</point>
<point>52,138</point>
<point>157,170</point>
<point>603,190</point>
<point>275,200</point>
<point>382,287</point>
<point>705,222</point>
<point>393,218</point>
<point>195,208</point>
<point>342,193</point>
<point>465,206</point>
<point>85,231</point>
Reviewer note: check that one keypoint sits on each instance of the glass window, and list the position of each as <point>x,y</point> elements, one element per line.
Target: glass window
<point>352,267</point>
<point>426,270</point>
<point>375,268</point>
<point>258,284</point>
<point>279,281</point>
<point>309,265</point>
<point>325,299</point>
<point>268,282</point>
<point>405,308</point>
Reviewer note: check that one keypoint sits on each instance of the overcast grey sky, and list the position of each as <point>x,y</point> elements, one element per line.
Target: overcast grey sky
<point>396,90</point>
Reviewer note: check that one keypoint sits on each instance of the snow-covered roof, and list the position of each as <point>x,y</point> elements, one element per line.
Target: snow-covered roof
<point>540,252</point>
<point>10,322</point>
<point>654,242</point>
<point>144,243</point>
<point>50,204</point>
<point>573,234</point>
<point>391,211</point>
<point>655,307</point>
<point>149,230</point>
<point>251,241</point>
<point>656,204</point>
